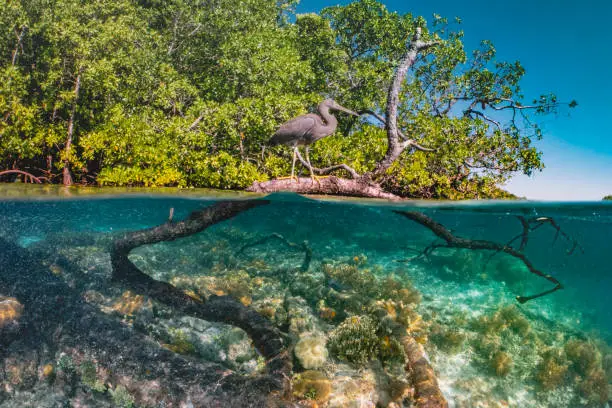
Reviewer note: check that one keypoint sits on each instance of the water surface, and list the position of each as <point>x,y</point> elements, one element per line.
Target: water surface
<point>485,347</point>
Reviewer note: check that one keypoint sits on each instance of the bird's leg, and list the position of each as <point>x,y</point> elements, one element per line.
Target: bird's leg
<point>293,164</point>
<point>295,153</point>
<point>312,175</point>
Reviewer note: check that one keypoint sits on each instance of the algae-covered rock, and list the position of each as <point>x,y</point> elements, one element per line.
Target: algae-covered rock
<point>311,351</point>
<point>312,385</point>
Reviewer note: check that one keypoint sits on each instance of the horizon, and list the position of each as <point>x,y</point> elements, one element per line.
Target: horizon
<point>576,153</point>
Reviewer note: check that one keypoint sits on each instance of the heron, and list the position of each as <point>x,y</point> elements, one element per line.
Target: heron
<point>307,129</point>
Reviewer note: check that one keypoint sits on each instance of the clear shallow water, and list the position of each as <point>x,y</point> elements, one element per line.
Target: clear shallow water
<point>463,292</point>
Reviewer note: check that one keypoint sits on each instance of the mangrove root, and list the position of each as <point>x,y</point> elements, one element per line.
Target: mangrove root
<point>452,241</point>
<point>266,338</point>
<point>276,236</point>
<point>26,176</point>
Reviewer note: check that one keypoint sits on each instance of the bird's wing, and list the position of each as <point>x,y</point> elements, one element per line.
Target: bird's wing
<point>294,130</point>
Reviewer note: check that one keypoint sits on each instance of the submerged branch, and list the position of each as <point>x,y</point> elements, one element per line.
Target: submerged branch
<point>300,247</point>
<point>266,338</point>
<point>452,241</point>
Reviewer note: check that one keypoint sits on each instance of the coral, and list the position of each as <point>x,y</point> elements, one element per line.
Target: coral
<point>88,372</point>
<point>65,363</point>
<point>594,387</point>
<point>587,362</point>
<point>392,288</point>
<point>505,318</point>
<point>10,310</point>
<point>552,370</point>
<point>351,276</point>
<point>355,340</point>
<point>48,371</point>
<point>607,365</point>
<point>311,351</point>
<point>312,385</point>
<point>273,308</point>
<point>583,356</point>
<point>392,350</point>
<point>501,363</point>
<point>89,376</point>
<point>447,339</point>
<point>121,397</point>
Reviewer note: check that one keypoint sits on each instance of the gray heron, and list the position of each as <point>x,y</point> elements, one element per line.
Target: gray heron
<point>307,129</point>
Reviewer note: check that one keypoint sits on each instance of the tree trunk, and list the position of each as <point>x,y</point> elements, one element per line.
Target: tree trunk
<point>360,187</point>
<point>365,185</point>
<point>66,172</point>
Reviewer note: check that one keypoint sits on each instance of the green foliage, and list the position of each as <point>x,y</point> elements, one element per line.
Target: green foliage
<point>608,197</point>
<point>186,94</point>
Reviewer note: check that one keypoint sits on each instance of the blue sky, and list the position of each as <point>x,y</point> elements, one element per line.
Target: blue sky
<point>566,48</point>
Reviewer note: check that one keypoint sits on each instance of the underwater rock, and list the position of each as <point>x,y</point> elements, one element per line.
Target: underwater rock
<point>300,316</point>
<point>311,351</point>
<point>353,388</point>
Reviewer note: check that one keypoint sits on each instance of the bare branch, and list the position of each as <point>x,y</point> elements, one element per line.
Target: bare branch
<point>19,45</point>
<point>406,142</point>
<point>300,247</point>
<point>453,241</point>
<point>328,170</point>
<point>195,123</point>
<point>394,147</point>
<point>485,117</point>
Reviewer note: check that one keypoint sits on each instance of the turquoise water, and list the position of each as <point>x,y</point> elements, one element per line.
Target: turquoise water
<point>486,348</point>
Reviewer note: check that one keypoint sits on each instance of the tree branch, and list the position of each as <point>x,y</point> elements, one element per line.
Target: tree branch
<point>301,247</point>
<point>266,338</point>
<point>394,147</point>
<point>328,170</point>
<point>453,241</point>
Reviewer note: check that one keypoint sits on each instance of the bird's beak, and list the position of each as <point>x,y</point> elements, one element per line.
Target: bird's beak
<point>343,109</point>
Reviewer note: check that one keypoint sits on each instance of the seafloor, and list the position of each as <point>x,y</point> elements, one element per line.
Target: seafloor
<point>369,269</point>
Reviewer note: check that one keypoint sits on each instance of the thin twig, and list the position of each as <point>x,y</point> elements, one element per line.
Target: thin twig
<point>276,236</point>
<point>453,241</point>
